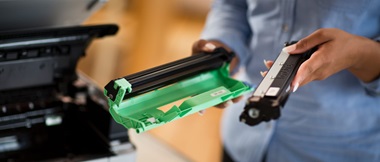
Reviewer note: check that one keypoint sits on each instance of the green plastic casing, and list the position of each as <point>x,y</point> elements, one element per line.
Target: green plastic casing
<point>201,91</point>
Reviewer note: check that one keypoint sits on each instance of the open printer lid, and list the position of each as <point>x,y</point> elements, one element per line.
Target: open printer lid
<point>37,57</point>
<point>21,14</point>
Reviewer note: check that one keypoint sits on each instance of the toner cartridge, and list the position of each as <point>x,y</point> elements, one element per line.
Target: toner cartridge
<point>200,81</point>
<point>273,91</point>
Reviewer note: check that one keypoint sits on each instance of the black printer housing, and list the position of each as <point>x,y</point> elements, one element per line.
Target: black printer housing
<point>48,111</point>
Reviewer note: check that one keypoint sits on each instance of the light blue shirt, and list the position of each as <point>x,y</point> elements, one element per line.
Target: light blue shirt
<point>337,119</point>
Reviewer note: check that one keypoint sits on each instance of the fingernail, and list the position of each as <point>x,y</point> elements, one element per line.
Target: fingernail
<point>202,112</point>
<point>290,48</point>
<point>265,62</point>
<point>296,87</point>
<point>228,103</point>
<point>262,73</point>
<point>210,46</point>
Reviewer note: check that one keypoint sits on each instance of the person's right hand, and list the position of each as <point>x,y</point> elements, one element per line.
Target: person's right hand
<point>209,46</point>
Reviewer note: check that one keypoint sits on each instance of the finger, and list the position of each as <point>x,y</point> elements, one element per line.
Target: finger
<point>197,46</point>
<point>318,37</point>
<point>300,77</point>
<point>263,73</point>
<point>203,46</point>
<point>202,112</point>
<point>224,104</point>
<point>229,102</point>
<point>268,63</point>
<point>235,100</point>
<point>306,71</point>
<point>209,47</point>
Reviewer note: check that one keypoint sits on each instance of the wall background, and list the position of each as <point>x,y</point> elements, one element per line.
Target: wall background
<point>154,32</point>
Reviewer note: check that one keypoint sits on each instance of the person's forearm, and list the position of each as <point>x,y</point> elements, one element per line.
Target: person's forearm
<point>368,67</point>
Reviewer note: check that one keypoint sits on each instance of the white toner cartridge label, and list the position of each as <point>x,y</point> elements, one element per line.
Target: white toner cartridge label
<point>272,91</point>
<point>273,71</point>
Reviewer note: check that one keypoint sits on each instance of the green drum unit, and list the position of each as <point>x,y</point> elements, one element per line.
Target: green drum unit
<point>201,81</point>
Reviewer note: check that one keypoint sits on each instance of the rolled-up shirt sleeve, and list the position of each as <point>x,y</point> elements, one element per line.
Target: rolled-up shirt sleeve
<point>372,88</point>
<point>227,22</point>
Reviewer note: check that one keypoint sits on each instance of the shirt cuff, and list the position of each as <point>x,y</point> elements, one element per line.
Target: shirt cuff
<point>372,88</point>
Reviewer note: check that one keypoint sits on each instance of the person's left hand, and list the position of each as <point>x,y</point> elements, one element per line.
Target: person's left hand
<point>209,46</point>
<point>337,50</point>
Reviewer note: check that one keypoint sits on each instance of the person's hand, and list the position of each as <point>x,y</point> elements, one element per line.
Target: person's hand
<point>209,46</point>
<point>337,50</point>
<point>267,64</point>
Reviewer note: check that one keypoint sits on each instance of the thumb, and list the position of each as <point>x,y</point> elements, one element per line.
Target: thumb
<point>203,46</point>
<point>317,38</point>
<point>299,47</point>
